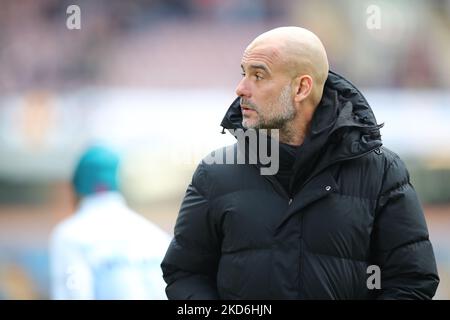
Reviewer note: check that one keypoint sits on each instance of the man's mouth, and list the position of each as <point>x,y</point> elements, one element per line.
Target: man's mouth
<point>247,111</point>
<point>243,107</point>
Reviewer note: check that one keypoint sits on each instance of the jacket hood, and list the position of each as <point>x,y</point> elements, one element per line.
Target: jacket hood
<point>343,127</point>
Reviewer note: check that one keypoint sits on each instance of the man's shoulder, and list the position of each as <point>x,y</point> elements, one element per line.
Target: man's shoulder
<point>388,154</point>
<point>379,159</point>
<point>377,167</point>
<point>66,230</point>
<point>141,226</point>
<point>221,168</point>
<point>394,163</point>
<point>385,164</point>
<point>220,161</point>
<point>396,169</point>
<point>222,155</point>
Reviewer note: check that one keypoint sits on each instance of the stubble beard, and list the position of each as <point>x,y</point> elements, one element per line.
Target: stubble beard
<point>280,120</point>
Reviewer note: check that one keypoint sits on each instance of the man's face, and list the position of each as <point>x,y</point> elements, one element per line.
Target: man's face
<point>265,89</point>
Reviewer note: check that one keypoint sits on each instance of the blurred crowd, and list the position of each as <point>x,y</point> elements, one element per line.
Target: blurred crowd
<point>195,43</point>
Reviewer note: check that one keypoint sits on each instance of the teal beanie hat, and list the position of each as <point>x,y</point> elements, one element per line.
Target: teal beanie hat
<point>96,171</point>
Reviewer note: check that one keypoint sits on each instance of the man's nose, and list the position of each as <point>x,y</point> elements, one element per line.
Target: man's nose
<point>242,90</point>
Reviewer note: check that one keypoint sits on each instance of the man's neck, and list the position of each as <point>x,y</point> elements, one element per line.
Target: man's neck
<point>289,135</point>
<point>294,132</point>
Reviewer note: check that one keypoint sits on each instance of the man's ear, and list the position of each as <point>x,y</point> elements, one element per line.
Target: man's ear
<point>304,86</point>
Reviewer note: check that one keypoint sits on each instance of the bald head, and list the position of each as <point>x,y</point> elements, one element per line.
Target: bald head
<point>300,50</point>
<point>283,75</point>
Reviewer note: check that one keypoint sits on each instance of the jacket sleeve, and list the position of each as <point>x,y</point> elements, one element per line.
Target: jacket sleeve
<point>190,264</point>
<point>400,242</point>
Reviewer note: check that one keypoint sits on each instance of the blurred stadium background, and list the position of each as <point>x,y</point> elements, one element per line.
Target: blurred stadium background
<point>155,77</point>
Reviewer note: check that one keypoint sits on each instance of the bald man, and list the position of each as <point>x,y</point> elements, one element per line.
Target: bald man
<point>338,220</point>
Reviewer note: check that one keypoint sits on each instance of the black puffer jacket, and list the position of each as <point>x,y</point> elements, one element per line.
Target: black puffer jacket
<point>239,235</point>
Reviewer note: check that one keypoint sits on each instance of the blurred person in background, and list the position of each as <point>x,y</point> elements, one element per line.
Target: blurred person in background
<point>105,250</point>
<point>339,203</point>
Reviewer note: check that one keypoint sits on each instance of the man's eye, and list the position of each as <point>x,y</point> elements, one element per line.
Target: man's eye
<point>258,77</point>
